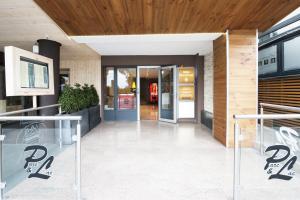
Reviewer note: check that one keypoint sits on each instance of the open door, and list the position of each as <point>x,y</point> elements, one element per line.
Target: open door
<point>167,94</point>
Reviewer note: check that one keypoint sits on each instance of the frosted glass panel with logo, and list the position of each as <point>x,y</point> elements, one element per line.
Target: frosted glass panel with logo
<point>267,60</point>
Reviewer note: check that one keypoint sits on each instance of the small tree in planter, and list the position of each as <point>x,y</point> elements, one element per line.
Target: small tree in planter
<point>68,100</point>
<point>79,100</point>
<point>94,109</point>
<point>95,97</point>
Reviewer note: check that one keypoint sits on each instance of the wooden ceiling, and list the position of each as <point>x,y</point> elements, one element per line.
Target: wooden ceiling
<point>113,17</point>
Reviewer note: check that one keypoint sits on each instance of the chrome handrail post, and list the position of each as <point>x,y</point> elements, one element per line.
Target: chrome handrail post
<point>1,148</point>
<point>60,127</point>
<point>2,183</point>
<point>237,157</point>
<point>78,161</point>
<point>261,131</point>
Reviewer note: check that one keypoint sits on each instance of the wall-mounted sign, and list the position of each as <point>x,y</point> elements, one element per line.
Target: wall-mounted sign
<point>27,74</point>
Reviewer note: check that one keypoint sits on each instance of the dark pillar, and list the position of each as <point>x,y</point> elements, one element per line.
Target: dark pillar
<point>2,84</point>
<point>2,77</point>
<point>199,65</point>
<point>50,49</point>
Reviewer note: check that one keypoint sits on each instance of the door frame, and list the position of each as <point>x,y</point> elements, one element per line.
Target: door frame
<point>174,94</point>
<point>138,79</point>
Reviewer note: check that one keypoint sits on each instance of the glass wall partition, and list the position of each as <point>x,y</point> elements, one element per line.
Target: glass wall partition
<point>291,56</point>
<point>109,98</point>
<point>120,93</point>
<point>266,157</point>
<point>126,88</point>
<point>40,159</point>
<point>167,94</point>
<point>186,92</point>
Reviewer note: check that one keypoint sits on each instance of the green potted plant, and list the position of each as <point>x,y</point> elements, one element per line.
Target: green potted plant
<point>94,107</point>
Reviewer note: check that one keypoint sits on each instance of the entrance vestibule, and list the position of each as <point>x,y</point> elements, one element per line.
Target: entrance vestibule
<point>148,93</point>
<point>164,93</point>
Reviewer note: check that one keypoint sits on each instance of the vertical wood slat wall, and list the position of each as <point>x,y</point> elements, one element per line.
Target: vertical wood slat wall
<point>282,91</point>
<point>240,79</point>
<point>242,83</point>
<point>219,90</point>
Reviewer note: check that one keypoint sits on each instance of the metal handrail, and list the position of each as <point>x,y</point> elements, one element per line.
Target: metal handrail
<point>290,108</point>
<point>35,118</point>
<point>29,110</point>
<point>267,116</point>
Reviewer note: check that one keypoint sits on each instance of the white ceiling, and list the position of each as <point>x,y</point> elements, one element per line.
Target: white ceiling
<point>152,44</point>
<point>22,23</point>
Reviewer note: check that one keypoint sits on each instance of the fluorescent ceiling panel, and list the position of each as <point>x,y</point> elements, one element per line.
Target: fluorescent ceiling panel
<point>154,44</point>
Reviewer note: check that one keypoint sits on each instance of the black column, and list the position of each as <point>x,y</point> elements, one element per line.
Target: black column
<point>199,66</point>
<point>2,77</point>
<point>50,49</point>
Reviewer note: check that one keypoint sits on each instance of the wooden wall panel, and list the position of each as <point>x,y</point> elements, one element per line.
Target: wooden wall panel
<point>219,90</point>
<point>235,85</point>
<point>281,91</point>
<point>84,71</point>
<point>242,83</point>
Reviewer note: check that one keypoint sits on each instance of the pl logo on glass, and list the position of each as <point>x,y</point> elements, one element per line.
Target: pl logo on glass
<point>283,155</point>
<point>37,165</point>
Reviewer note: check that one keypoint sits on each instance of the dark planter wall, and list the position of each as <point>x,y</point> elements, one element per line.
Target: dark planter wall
<point>50,49</point>
<point>94,116</point>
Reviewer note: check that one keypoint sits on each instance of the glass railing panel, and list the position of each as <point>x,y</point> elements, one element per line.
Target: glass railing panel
<point>275,172</point>
<point>38,160</point>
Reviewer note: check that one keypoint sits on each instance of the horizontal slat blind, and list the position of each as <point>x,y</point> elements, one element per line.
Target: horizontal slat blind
<point>281,91</point>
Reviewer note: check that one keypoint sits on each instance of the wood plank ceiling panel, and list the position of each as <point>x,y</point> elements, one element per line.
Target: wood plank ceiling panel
<point>111,17</point>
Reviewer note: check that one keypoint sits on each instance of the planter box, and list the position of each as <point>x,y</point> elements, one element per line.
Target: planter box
<point>94,116</point>
<point>69,127</point>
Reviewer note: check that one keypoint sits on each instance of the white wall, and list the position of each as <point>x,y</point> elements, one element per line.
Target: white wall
<point>208,82</point>
<point>85,70</point>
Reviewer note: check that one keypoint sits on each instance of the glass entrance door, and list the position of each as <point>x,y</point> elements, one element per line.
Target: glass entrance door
<point>167,94</point>
<point>120,93</point>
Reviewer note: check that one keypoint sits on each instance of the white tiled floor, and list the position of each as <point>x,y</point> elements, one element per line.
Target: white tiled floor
<point>155,161</point>
<point>151,160</point>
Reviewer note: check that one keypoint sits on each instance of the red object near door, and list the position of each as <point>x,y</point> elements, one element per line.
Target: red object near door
<point>153,92</point>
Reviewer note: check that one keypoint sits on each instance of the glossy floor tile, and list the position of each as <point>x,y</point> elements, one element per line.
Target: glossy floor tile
<point>149,112</point>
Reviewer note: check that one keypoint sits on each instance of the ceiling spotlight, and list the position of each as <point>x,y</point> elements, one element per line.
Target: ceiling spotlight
<point>35,48</point>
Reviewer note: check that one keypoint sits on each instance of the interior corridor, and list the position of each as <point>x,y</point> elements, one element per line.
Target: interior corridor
<point>149,112</point>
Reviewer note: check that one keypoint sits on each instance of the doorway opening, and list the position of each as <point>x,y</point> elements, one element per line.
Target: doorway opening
<point>148,93</point>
